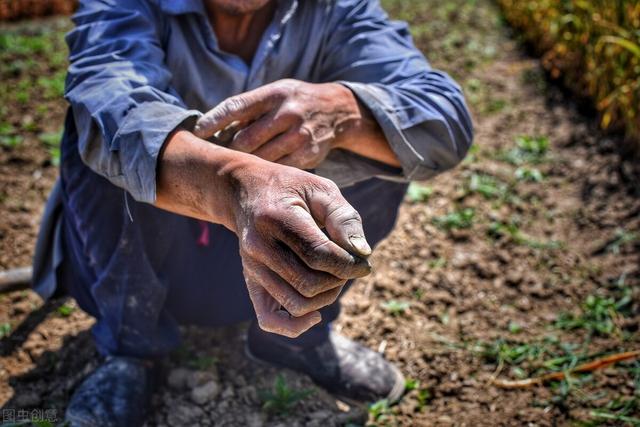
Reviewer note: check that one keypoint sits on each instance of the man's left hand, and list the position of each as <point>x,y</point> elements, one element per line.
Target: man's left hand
<point>289,121</point>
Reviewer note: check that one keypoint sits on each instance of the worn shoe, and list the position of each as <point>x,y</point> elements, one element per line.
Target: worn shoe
<point>116,394</point>
<point>341,366</point>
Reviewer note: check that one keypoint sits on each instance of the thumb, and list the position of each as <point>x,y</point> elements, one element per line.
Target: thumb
<point>342,222</point>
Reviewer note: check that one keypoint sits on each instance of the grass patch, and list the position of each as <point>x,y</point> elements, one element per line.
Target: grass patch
<point>598,315</point>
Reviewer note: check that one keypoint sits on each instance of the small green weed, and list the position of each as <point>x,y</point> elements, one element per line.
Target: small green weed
<point>52,141</point>
<point>380,411</point>
<point>282,398</point>
<point>5,329</point>
<point>527,174</point>
<point>514,327</point>
<point>419,193</point>
<point>395,307</point>
<point>527,150</point>
<point>459,219</point>
<point>435,263</point>
<point>411,384</point>
<point>11,141</point>
<point>53,87</point>
<point>65,310</point>
<point>511,230</point>
<point>598,315</point>
<point>488,186</point>
<point>423,395</point>
<point>621,238</point>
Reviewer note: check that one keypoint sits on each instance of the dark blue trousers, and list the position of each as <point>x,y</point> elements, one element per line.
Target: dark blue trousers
<point>140,270</point>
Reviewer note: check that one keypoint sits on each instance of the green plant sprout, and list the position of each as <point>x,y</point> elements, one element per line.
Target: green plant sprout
<point>5,329</point>
<point>527,150</point>
<point>529,174</point>
<point>511,230</point>
<point>598,315</point>
<point>621,238</point>
<point>282,398</point>
<point>419,193</point>
<point>487,186</point>
<point>462,218</point>
<point>380,410</point>
<point>65,310</point>
<point>395,307</point>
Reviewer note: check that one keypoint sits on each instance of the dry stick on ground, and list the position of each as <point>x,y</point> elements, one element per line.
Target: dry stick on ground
<point>585,367</point>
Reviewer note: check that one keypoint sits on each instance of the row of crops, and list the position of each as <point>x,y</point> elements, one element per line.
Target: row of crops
<point>593,46</point>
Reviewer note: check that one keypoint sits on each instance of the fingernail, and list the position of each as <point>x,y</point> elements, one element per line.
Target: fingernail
<point>360,243</point>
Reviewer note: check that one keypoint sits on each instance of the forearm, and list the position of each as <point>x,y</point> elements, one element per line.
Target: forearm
<point>362,134</point>
<point>196,178</point>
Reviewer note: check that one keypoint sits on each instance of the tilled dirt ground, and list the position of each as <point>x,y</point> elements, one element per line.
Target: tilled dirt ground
<point>522,261</point>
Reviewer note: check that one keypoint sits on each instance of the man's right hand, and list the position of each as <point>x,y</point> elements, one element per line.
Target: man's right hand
<point>278,213</point>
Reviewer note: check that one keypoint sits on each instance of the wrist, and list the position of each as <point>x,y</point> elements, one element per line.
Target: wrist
<point>198,179</point>
<point>354,122</point>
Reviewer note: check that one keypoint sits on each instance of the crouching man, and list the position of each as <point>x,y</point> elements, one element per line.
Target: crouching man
<point>223,161</point>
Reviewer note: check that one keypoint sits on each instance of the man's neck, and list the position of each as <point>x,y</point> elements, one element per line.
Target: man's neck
<point>238,33</point>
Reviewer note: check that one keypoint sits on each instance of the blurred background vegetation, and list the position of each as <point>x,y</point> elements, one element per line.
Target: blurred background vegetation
<point>593,46</point>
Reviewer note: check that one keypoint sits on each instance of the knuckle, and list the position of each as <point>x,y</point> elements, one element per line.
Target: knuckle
<point>297,308</point>
<point>293,111</point>
<point>265,215</point>
<point>329,187</point>
<point>264,323</point>
<point>291,332</point>
<point>288,115</point>
<point>249,248</point>
<point>315,253</point>
<point>334,294</point>
<point>235,103</point>
<point>322,284</point>
<point>298,282</point>
<point>345,214</point>
<point>350,216</point>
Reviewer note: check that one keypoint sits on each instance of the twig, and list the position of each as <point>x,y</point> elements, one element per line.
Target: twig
<point>556,376</point>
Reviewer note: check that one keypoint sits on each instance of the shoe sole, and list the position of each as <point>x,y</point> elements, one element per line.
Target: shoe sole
<point>396,393</point>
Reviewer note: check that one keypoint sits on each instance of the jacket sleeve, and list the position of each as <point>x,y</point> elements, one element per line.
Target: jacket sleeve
<point>119,91</point>
<point>421,111</point>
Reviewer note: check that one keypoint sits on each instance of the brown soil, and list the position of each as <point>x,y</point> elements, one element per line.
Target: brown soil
<point>482,301</point>
<point>22,9</point>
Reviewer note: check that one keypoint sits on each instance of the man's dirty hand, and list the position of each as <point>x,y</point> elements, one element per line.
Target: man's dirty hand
<point>289,121</point>
<point>292,268</point>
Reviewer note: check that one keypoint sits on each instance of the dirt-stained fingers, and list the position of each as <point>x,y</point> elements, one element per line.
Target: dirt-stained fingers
<point>272,318</point>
